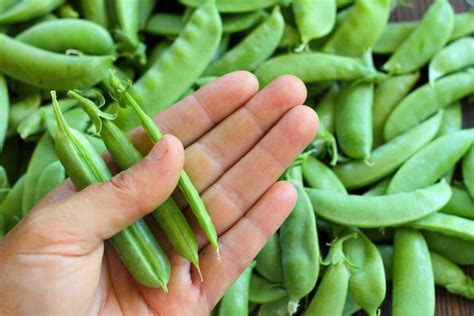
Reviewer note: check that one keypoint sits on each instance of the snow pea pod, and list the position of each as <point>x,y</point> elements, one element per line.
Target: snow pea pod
<point>21,109</point>
<point>52,176</point>
<point>4,184</point>
<point>236,300</point>
<point>231,6</point>
<point>455,56</point>
<point>450,225</point>
<point>4,109</point>
<point>427,100</point>
<point>388,157</point>
<point>318,176</point>
<point>96,11</point>
<point>413,287</point>
<point>11,207</point>
<point>460,204</point>
<point>25,10</point>
<point>468,171</point>
<point>269,260</point>
<point>314,19</point>
<point>427,39</point>
<point>253,49</point>
<point>379,211</point>
<point>455,249</point>
<point>431,162</point>
<point>263,291</point>
<point>326,108</point>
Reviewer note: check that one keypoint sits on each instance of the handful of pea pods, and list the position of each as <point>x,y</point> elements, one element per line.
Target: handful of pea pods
<point>385,192</point>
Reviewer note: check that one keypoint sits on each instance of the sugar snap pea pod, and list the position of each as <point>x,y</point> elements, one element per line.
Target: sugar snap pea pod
<point>48,70</point>
<point>450,225</point>
<point>10,208</point>
<point>325,143</point>
<point>63,34</point>
<point>178,68</point>
<point>455,56</point>
<point>388,157</point>
<point>455,249</point>
<point>185,185</point>
<point>452,119</point>
<point>4,109</point>
<point>379,211</point>
<point>253,49</point>
<point>463,25</point>
<point>268,261</point>
<point>367,281</point>
<point>263,291</point>
<point>326,108</point>
<point>52,176</point>
<point>96,11</point>
<point>279,308</point>
<point>239,22</point>
<point>231,6</point>
<point>386,96</point>
<point>361,28</point>
<point>318,176</point>
<point>236,300</point>
<point>167,24</point>
<point>314,19</point>
<point>172,222</point>
<point>431,162</point>
<point>468,171</point>
<point>290,37</point>
<point>425,41</point>
<point>380,188</point>
<point>7,4</point>
<point>153,56</point>
<point>4,184</point>
<point>67,11</point>
<point>413,286</point>
<point>427,100</point>
<point>460,204</point>
<point>350,307</point>
<point>25,10</point>
<point>136,245</point>
<point>311,67</point>
<point>21,109</point>
<point>353,120</point>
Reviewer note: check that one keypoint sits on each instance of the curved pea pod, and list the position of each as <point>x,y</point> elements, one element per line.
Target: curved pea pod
<point>231,6</point>
<point>449,225</point>
<point>314,19</point>
<point>452,120</point>
<point>4,109</point>
<point>386,96</point>
<point>326,108</point>
<point>95,11</point>
<point>431,162</point>
<point>353,120</point>
<point>253,49</point>
<point>318,176</point>
<point>425,41</point>
<point>52,176</point>
<point>21,109</point>
<point>268,261</point>
<point>47,70</point>
<point>236,300</point>
<point>455,56</point>
<point>460,204</point>
<point>413,287</point>
<point>279,308</point>
<point>455,249</point>
<point>28,9</point>
<point>387,158</point>
<point>11,207</point>
<point>463,24</point>
<point>178,68</point>
<point>166,24</point>
<point>427,100</point>
<point>136,245</point>
<point>361,28</point>
<point>468,171</point>
<point>263,291</point>
<point>379,188</point>
<point>240,22</point>
<point>311,67</point>
<point>367,281</point>
<point>379,211</point>
<point>63,34</point>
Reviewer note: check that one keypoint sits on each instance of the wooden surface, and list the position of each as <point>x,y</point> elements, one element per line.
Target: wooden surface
<point>446,303</point>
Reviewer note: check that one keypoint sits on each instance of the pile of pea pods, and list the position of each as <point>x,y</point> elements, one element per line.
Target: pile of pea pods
<point>385,190</point>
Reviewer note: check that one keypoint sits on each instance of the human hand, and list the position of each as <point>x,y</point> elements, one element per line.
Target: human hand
<point>237,143</point>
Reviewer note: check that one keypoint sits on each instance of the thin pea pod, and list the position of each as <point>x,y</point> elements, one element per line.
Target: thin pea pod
<point>468,171</point>
<point>52,176</point>
<point>236,300</point>
<point>455,249</point>
<point>4,109</point>
<point>379,189</point>
<point>311,67</point>
<point>460,204</point>
<point>450,225</point>
<point>268,261</point>
<point>325,143</point>
<point>361,28</point>
<point>387,95</point>
<point>231,6</point>
<point>253,49</point>
<point>279,308</point>
<point>427,100</point>
<point>413,286</point>
<point>239,22</point>
<point>136,245</point>
<point>388,157</point>
<point>431,162</point>
<point>4,184</point>
<point>48,70</point>
<point>21,109</point>
<point>25,10</point>
<point>314,19</point>
<point>326,108</point>
<point>463,25</point>
<point>452,120</point>
<point>318,176</point>
<point>263,291</point>
<point>67,11</point>
<point>379,211</point>
<point>11,206</point>
<point>172,222</point>
<point>185,185</point>
<point>178,68</point>
<point>456,56</point>
<point>96,11</point>
<point>427,39</point>
<point>62,35</point>
<point>167,24</point>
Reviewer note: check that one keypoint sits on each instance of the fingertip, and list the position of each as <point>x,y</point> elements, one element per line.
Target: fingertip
<point>294,85</point>
<point>285,193</point>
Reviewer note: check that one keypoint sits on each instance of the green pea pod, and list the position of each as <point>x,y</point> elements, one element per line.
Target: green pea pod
<point>425,41</point>
<point>268,261</point>
<point>168,215</point>
<point>450,225</point>
<point>452,120</point>
<point>178,68</point>
<point>253,49</point>
<point>52,176</point>
<point>379,211</point>
<point>11,206</point>
<point>21,109</point>
<point>166,24</point>
<point>431,162</point>
<point>63,34</point>
<point>136,245</point>
<point>456,56</point>
<point>386,96</point>
<point>350,307</point>
<point>354,114</point>
<point>463,25</point>
<point>361,29</point>
<point>4,184</point>
<point>413,286</point>
<point>96,11</point>
<point>387,158</point>
<point>325,143</point>
<point>343,3</point>
<point>4,109</point>
<point>263,291</point>
<point>28,9</point>
<point>468,171</point>
<point>232,6</point>
<point>427,100</point>
<point>460,204</point>
<point>455,249</point>
<point>235,300</point>
<point>326,108</point>
<point>156,52</point>
<point>318,176</point>
<point>240,22</point>
<point>279,308</point>
<point>314,19</point>
<point>6,5</point>
<point>290,37</point>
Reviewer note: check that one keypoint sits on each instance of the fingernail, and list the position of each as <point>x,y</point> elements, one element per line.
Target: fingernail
<point>158,150</point>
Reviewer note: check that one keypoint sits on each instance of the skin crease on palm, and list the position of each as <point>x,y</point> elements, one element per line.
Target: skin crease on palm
<point>237,142</point>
